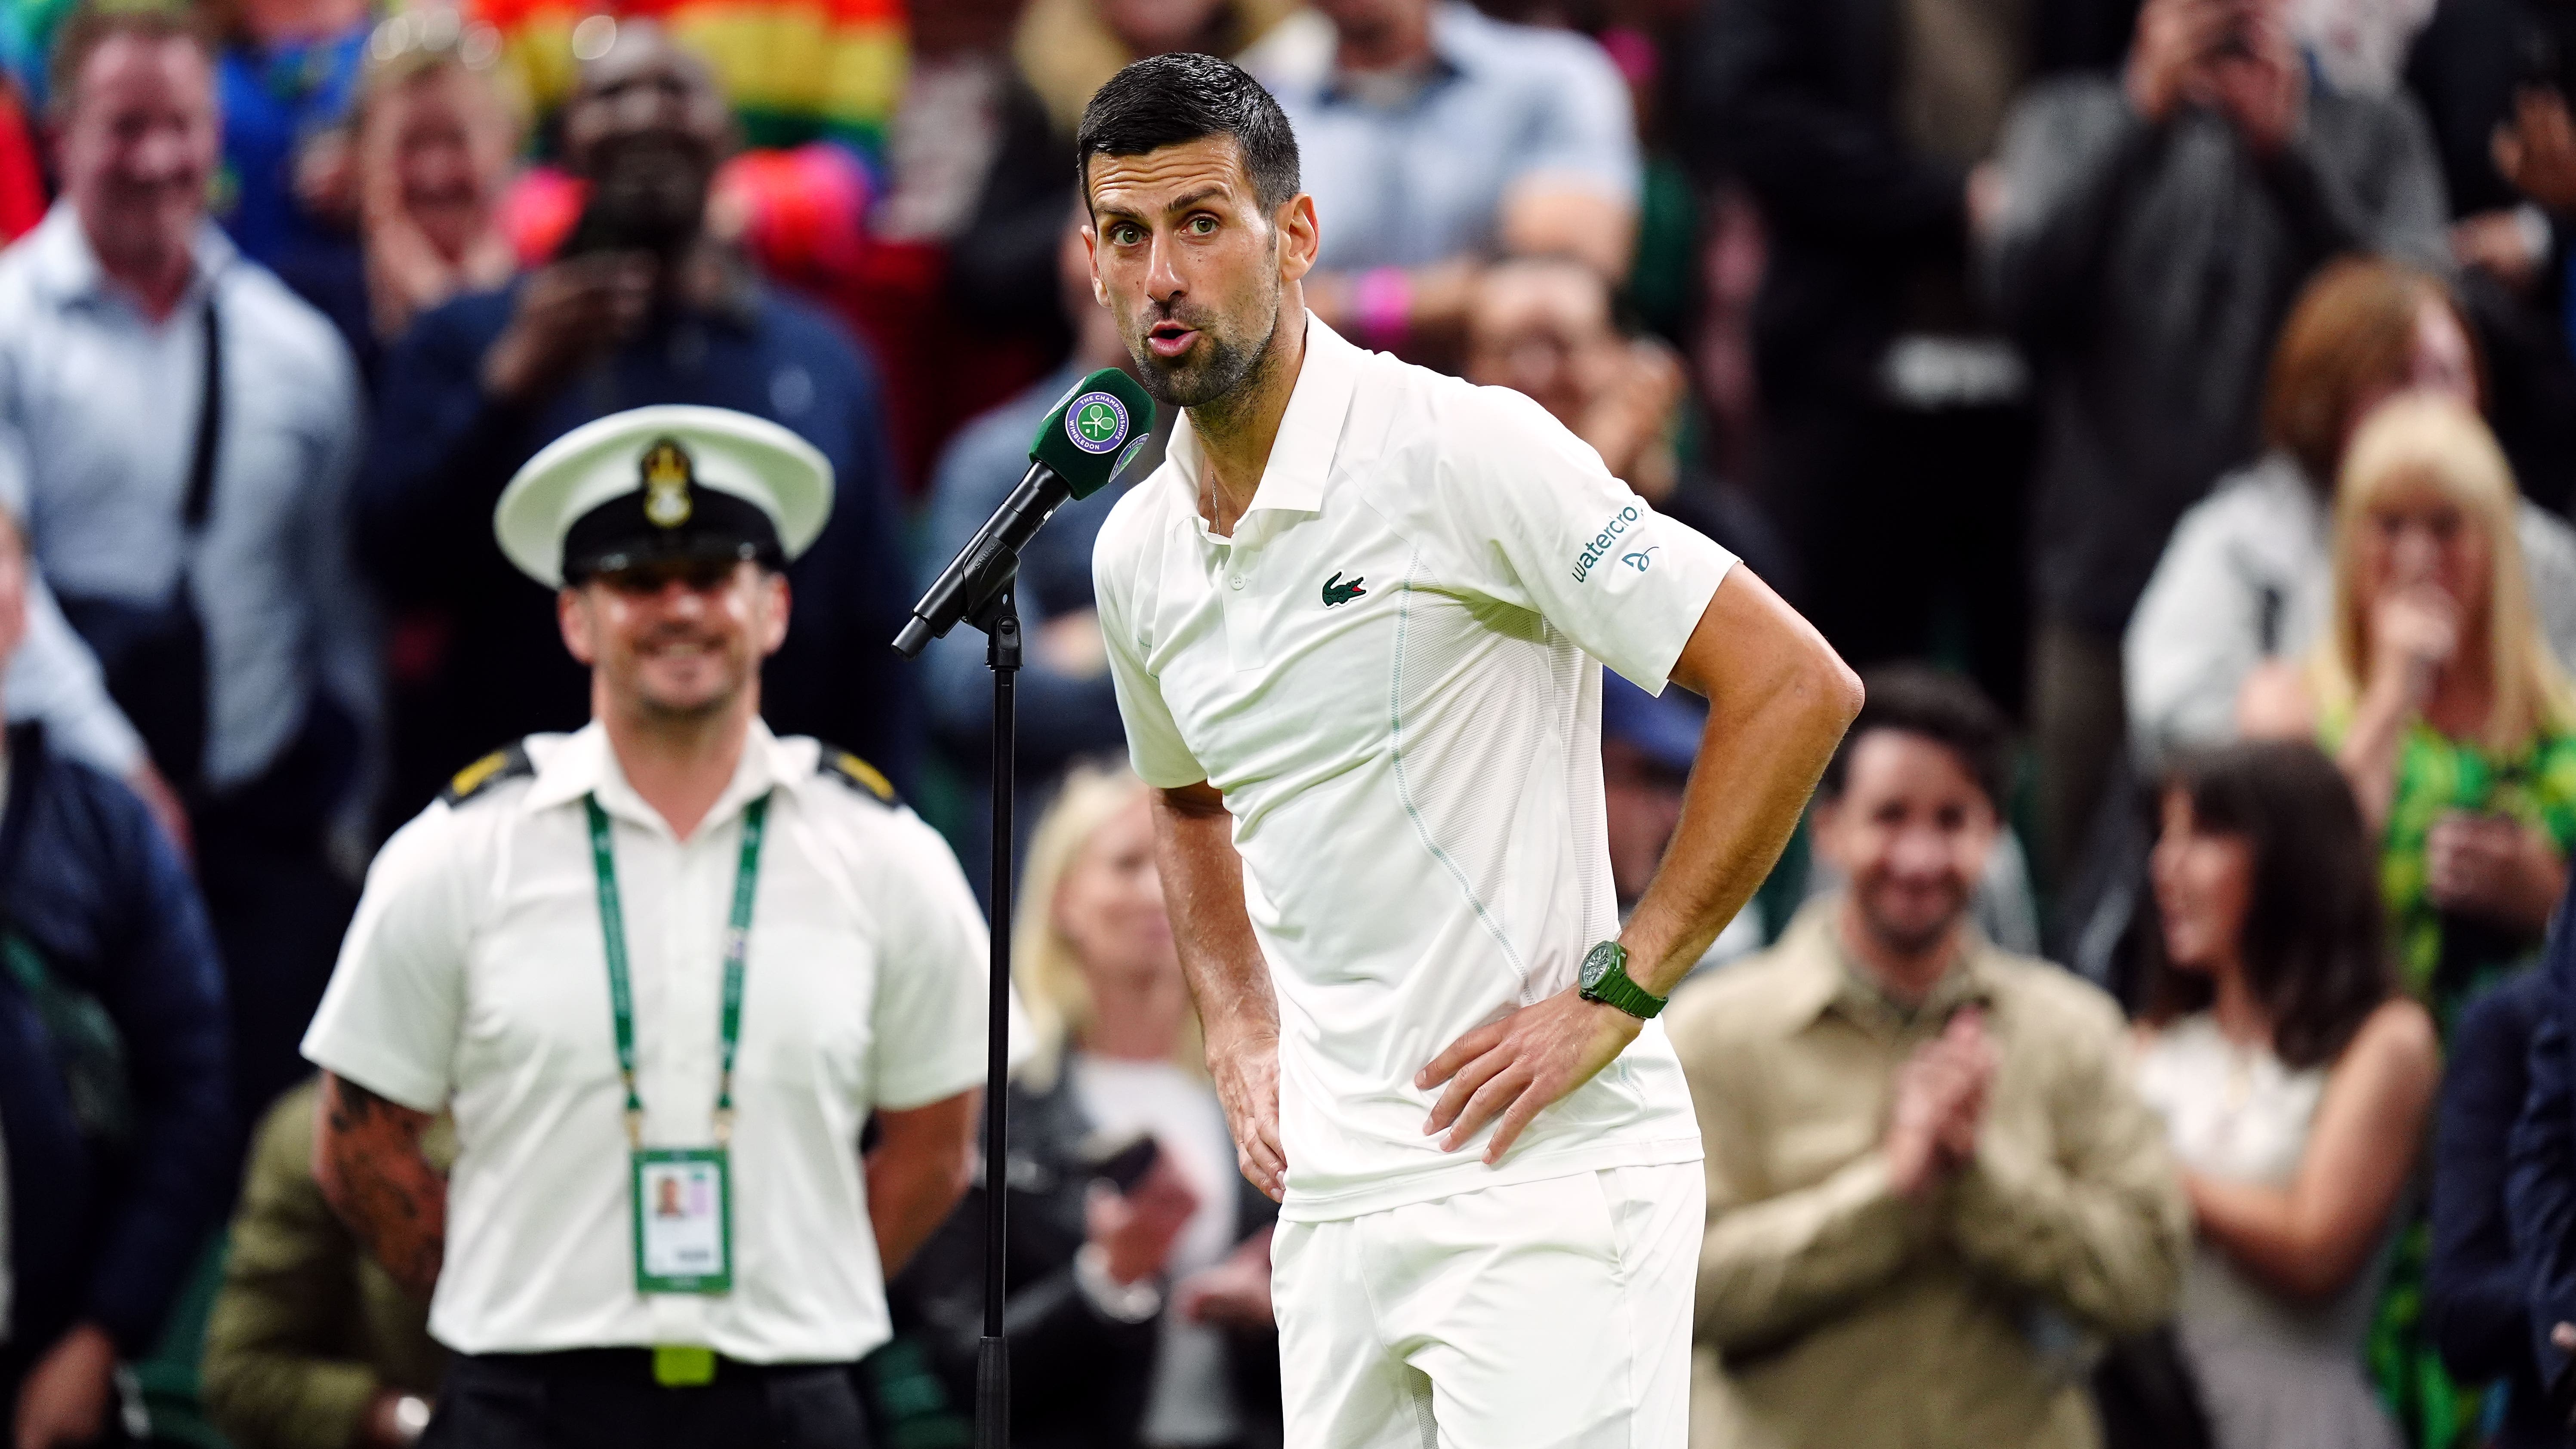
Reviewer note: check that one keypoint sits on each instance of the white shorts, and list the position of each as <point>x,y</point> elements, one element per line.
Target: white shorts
<point>1532,1316</point>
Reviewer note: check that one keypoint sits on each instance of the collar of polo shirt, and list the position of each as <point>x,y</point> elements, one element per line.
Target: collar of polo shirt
<point>1301,457</point>
<point>586,765</point>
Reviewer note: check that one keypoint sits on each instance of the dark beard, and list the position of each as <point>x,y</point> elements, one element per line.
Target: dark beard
<point>1208,379</point>
<point>1913,942</point>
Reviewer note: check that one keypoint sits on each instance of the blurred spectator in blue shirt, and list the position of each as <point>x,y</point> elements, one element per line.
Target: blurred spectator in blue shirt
<point>1434,139</point>
<point>1066,708</point>
<point>2474,1300</point>
<point>116,1133</point>
<point>643,306</point>
<point>188,430</point>
<point>287,74</point>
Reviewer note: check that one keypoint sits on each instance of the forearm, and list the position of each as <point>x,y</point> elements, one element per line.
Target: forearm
<point>909,1196</point>
<point>2265,1232</point>
<point>1202,881</point>
<point>923,1162</point>
<point>367,1157</point>
<point>1778,702</point>
<point>2108,1251</point>
<point>1771,1267</point>
<point>2368,757</point>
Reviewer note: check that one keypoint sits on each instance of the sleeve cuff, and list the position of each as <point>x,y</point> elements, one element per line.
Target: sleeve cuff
<point>419,1094</point>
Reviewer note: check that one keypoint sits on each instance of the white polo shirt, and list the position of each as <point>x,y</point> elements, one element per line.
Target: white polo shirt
<point>1390,672</point>
<point>474,977</point>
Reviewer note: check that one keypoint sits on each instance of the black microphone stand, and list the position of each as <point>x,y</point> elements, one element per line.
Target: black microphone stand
<point>1000,621</point>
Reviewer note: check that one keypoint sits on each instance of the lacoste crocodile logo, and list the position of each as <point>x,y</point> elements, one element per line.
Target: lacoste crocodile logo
<point>1337,592</point>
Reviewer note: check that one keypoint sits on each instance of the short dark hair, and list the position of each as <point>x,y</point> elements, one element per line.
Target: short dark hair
<point>97,22</point>
<point>2315,939</point>
<point>1171,100</point>
<point>1914,699</point>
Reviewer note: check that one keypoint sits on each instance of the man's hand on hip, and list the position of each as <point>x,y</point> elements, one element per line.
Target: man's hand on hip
<point>1516,1067</point>
<point>1246,1070</point>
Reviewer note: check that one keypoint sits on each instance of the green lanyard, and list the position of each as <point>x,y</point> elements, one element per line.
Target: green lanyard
<point>737,942</point>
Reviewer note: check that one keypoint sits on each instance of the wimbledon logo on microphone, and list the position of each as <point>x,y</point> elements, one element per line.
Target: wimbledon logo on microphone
<point>1096,422</point>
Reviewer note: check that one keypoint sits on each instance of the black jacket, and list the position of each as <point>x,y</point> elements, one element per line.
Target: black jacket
<point>101,1230</point>
<point>1796,99</point>
<point>1078,1377</point>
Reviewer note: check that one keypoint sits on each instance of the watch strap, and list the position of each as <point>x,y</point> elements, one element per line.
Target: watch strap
<point>1617,988</point>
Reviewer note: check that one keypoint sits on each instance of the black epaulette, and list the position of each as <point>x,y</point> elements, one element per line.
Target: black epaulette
<point>491,770</point>
<point>858,774</point>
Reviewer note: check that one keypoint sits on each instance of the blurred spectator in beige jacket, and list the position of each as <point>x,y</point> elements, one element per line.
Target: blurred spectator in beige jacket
<point>1929,1181</point>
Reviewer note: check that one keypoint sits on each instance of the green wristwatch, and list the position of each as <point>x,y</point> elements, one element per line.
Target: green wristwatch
<point>1605,979</point>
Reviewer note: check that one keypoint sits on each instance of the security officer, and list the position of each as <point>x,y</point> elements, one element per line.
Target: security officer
<point>663,970</point>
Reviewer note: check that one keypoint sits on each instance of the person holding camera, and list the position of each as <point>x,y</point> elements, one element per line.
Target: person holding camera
<point>2146,236</point>
<point>1139,1307</point>
<point>642,304</point>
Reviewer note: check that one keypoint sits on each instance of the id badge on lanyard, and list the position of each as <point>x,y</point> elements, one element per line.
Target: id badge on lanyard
<point>682,1197</point>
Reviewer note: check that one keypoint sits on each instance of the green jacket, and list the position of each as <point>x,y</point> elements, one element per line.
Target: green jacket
<point>308,1328</point>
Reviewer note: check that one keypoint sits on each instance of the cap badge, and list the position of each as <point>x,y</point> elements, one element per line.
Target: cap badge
<point>667,475</point>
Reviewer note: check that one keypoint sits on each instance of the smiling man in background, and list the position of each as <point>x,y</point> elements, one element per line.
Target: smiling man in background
<point>1926,1169</point>
<point>642,305</point>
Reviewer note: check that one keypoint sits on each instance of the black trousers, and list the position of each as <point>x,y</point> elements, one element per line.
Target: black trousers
<point>606,1399</point>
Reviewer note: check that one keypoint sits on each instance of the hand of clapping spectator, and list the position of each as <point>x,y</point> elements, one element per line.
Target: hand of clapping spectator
<point>1234,1293</point>
<point>568,313</point>
<point>1134,1230</point>
<point>2536,150</point>
<point>1940,1102</point>
<point>2493,866</point>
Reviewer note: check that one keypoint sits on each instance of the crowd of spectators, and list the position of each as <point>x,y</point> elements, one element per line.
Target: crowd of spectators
<point>2162,1032</point>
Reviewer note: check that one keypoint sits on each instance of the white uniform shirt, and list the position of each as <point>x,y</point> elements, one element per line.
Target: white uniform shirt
<point>1414,768</point>
<point>474,977</point>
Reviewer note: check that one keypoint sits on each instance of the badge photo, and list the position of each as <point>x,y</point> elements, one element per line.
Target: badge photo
<point>683,1221</point>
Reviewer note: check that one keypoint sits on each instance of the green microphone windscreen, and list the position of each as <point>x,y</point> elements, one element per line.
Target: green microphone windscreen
<point>1095,430</point>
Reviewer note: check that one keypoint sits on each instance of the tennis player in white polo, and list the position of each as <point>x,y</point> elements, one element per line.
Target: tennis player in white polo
<point>1356,622</point>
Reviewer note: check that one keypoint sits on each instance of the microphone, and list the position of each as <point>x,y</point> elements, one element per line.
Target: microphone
<point>1085,440</point>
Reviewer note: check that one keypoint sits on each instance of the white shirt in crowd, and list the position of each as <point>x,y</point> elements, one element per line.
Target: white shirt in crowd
<point>2249,575</point>
<point>474,977</point>
<point>1191,1399</point>
<point>1389,672</point>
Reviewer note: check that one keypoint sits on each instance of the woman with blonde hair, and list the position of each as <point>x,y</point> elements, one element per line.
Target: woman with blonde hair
<point>1139,1282</point>
<point>2434,692</point>
<point>2247,575</point>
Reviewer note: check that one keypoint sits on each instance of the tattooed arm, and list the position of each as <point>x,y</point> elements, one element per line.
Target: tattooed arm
<point>367,1157</point>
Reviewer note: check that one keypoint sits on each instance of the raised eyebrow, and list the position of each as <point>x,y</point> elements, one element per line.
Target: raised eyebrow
<point>1109,212</point>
